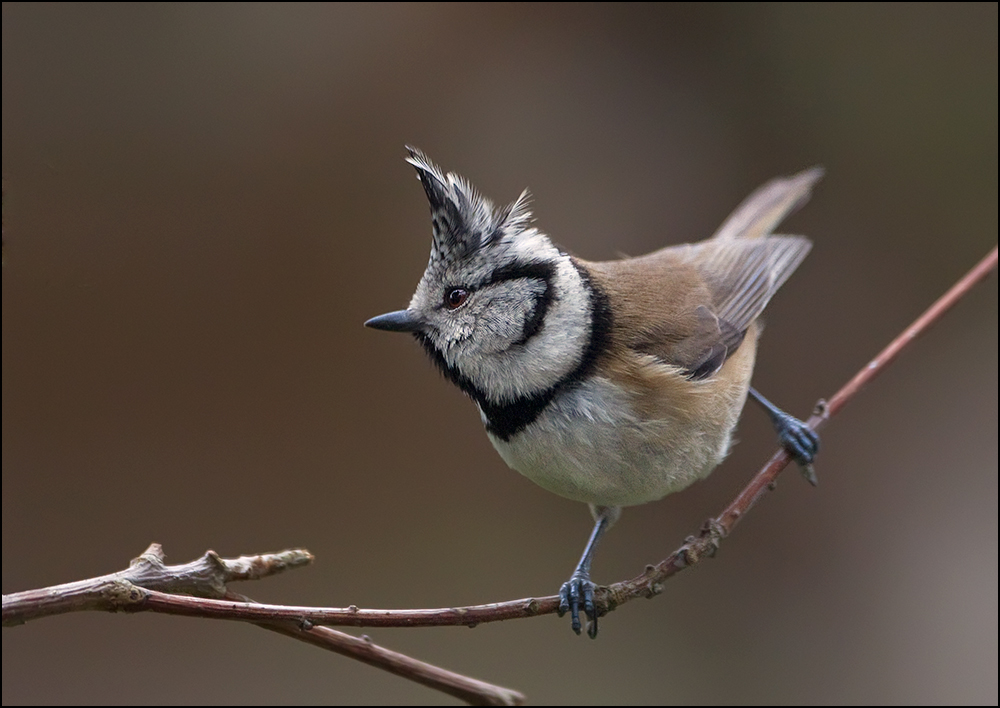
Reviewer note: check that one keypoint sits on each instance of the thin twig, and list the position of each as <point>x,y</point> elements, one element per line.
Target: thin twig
<point>827,409</point>
<point>465,688</point>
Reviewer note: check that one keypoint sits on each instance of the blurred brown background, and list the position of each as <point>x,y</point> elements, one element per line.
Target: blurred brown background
<point>206,202</point>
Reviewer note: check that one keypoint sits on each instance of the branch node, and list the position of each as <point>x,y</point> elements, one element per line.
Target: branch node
<point>155,550</point>
<point>151,558</point>
<point>713,532</point>
<point>212,559</point>
<point>689,552</point>
<point>124,596</point>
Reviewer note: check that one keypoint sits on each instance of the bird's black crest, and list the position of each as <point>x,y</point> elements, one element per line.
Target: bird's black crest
<point>462,220</point>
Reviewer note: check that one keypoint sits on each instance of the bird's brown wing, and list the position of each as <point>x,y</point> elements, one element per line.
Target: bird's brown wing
<point>691,305</point>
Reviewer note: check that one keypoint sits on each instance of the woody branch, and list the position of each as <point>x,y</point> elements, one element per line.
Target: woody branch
<point>137,590</point>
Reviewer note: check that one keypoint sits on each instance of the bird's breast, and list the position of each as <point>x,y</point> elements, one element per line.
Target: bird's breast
<point>597,442</point>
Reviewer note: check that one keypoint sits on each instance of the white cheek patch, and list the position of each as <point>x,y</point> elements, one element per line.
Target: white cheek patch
<point>506,371</point>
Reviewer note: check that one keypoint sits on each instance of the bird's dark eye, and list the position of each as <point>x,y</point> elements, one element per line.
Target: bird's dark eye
<point>455,298</point>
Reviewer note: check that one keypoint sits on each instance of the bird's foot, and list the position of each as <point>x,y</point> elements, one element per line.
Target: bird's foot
<point>576,592</point>
<point>800,441</point>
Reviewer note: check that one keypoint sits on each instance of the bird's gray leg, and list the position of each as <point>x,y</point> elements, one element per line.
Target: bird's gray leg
<point>579,590</point>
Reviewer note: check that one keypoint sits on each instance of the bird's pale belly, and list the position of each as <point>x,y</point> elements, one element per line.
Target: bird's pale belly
<point>590,446</point>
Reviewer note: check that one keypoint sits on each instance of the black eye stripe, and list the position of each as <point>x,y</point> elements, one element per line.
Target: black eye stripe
<point>515,271</point>
<point>512,271</point>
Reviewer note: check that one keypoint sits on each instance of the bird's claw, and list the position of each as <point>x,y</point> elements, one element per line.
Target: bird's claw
<point>800,441</point>
<point>577,591</point>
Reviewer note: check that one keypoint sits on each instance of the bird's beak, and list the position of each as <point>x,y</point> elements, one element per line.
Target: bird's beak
<point>399,321</point>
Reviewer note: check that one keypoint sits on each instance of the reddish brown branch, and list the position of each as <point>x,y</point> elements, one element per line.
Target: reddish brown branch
<point>921,324</point>
<point>142,589</point>
<point>644,585</point>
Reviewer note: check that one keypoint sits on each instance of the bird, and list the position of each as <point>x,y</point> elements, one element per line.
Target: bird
<point>612,383</point>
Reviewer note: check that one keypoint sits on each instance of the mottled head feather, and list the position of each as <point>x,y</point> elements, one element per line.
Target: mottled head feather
<point>463,220</point>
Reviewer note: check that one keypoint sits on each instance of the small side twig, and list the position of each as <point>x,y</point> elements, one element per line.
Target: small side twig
<point>205,581</point>
<point>204,577</point>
